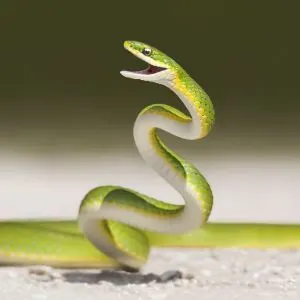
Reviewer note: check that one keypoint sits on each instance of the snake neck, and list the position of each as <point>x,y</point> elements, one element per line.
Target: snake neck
<point>165,162</point>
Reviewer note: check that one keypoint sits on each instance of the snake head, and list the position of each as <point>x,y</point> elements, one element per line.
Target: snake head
<point>161,68</point>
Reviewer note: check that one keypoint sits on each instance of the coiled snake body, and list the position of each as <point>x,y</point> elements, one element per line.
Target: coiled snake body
<point>116,204</point>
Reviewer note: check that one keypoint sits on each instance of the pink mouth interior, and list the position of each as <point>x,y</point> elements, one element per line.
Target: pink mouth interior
<point>150,70</point>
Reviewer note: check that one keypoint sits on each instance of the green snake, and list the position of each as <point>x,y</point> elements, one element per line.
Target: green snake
<point>118,226</point>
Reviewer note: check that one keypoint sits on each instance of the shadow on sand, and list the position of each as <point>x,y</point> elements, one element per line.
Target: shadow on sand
<point>120,277</point>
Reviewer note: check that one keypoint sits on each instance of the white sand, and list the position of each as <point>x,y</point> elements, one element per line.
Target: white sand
<point>53,187</point>
<point>207,274</point>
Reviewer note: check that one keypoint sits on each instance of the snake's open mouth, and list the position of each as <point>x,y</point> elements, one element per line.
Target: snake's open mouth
<point>149,70</point>
<point>153,70</point>
<point>148,74</point>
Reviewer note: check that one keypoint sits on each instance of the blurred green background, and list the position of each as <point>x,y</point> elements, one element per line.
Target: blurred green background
<point>66,113</point>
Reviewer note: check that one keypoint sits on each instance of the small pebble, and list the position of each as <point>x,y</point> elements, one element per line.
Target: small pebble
<point>169,275</point>
<point>44,273</point>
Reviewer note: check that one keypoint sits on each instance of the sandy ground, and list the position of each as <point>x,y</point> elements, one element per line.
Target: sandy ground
<point>54,188</point>
<point>198,274</point>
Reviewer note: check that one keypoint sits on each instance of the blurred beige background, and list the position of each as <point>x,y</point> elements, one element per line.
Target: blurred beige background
<point>66,113</point>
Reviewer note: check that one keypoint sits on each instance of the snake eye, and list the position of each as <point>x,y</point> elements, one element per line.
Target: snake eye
<point>147,51</point>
